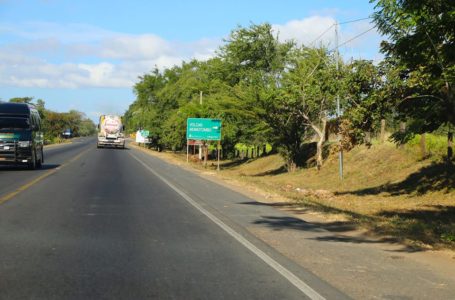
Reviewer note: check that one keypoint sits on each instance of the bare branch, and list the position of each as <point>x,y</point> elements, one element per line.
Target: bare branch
<point>423,96</point>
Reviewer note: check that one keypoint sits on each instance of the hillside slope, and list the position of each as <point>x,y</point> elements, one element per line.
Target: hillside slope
<point>387,189</point>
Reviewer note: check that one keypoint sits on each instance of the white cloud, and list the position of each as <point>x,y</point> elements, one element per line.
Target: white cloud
<point>51,55</point>
<point>317,30</point>
<point>54,55</point>
<point>25,72</point>
<point>66,33</point>
<point>305,31</point>
<point>147,46</point>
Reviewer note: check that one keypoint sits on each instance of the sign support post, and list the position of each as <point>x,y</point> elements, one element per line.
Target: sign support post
<point>218,147</point>
<point>204,130</point>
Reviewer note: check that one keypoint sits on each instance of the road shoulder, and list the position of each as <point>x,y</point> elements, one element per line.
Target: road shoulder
<point>378,264</point>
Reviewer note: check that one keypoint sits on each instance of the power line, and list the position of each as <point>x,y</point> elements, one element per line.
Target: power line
<point>319,36</point>
<point>351,39</point>
<point>352,21</point>
<point>341,23</point>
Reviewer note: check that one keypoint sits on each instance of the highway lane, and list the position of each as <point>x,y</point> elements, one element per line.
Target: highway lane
<point>106,226</point>
<point>12,177</point>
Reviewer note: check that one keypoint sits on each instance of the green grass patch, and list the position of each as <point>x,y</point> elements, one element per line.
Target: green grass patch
<point>436,144</point>
<point>242,146</point>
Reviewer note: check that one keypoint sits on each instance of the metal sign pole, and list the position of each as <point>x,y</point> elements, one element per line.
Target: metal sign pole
<point>218,146</point>
<point>187,150</point>
<point>206,153</point>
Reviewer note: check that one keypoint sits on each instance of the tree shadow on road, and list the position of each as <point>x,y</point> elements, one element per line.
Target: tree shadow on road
<point>280,223</point>
<point>338,232</point>
<point>386,227</point>
<point>433,224</point>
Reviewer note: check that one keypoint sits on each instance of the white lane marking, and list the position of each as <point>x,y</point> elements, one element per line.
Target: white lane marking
<point>297,282</point>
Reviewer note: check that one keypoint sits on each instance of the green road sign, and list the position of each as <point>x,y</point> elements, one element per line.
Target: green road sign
<point>145,133</point>
<point>203,129</point>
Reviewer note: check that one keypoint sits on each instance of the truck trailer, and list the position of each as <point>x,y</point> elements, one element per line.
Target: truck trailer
<point>110,132</point>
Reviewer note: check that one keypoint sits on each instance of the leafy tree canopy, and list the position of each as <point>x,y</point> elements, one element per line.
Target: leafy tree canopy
<point>422,45</point>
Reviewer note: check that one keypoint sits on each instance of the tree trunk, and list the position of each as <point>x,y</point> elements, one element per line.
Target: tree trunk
<point>319,153</point>
<point>402,130</point>
<point>449,146</point>
<point>382,139</point>
<point>327,134</point>
<point>264,150</point>
<point>257,151</point>
<point>423,145</point>
<point>292,167</point>
<point>321,134</point>
<point>368,138</point>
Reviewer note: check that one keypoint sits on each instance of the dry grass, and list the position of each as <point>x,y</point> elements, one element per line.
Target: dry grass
<point>385,189</point>
<point>379,175</point>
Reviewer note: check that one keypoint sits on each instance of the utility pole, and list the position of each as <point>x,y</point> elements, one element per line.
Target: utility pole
<point>337,57</point>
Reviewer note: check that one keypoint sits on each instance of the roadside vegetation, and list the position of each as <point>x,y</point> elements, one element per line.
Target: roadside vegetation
<point>387,190</point>
<point>278,103</point>
<point>55,123</point>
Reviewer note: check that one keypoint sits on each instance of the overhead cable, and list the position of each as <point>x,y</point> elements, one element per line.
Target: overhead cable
<point>341,23</point>
<point>352,21</point>
<point>351,39</point>
<point>325,31</point>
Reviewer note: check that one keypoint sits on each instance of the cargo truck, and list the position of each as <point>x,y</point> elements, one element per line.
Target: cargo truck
<point>110,132</point>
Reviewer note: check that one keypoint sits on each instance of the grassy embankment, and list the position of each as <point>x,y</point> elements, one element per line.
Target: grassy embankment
<point>387,190</point>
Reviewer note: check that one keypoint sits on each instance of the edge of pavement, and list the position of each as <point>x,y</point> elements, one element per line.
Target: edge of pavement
<point>440,261</point>
<point>67,142</point>
<point>57,145</point>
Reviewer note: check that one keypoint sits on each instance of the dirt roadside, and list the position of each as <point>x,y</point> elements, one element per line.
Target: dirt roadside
<point>380,267</point>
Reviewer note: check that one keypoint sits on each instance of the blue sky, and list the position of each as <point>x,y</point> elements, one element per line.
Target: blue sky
<point>87,55</point>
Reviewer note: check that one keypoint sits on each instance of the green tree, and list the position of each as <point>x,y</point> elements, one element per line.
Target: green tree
<point>256,62</point>
<point>40,106</point>
<point>421,39</point>
<point>253,48</point>
<point>364,108</point>
<point>21,100</point>
<point>310,88</point>
<point>87,127</point>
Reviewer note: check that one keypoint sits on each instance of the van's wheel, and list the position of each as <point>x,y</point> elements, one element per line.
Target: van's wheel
<point>32,164</point>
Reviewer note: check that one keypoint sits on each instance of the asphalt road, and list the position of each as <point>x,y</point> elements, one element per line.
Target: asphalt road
<point>119,224</point>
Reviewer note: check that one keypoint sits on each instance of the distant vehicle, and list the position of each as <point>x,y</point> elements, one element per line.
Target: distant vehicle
<point>110,132</point>
<point>67,133</point>
<point>21,138</point>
